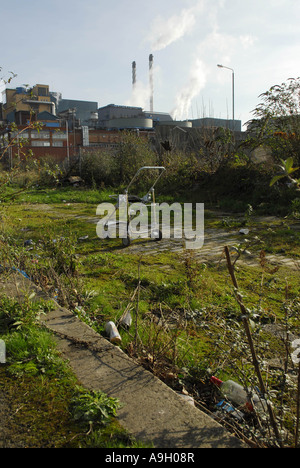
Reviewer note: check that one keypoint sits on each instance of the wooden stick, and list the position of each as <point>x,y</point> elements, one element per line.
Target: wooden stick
<point>251,345</point>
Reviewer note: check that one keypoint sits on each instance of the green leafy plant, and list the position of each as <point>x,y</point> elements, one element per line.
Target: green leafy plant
<point>31,351</point>
<point>276,120</point>
<point>15,315</point>
<point>286,170</point>
<point>93,408</point>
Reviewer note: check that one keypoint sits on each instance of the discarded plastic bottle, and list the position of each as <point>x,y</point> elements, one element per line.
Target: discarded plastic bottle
<point>190,400</point>
<point>126,321</point>
<point>237,394</point>
<point>112,332</point>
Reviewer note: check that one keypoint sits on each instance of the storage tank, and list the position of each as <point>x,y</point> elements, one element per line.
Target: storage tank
<point>139,122</point>
<point>176,123</point>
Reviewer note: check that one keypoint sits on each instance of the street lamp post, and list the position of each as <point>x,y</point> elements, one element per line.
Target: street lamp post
<point>233,91</point>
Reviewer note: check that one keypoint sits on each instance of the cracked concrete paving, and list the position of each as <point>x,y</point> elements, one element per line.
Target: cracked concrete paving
<point>151,411</point>
<point>215,239</point>
<point>212,250</point>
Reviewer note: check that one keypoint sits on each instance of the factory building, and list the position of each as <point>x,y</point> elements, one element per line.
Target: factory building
<point>19,104</point>
<point>84,112</point>
<point>126,117</point>
<point>68,124</point>
<point>123,117</point>
<point>207,122</point>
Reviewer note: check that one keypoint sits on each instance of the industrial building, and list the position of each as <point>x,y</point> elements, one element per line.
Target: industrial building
<point>123,117</point>
<point>126,117</point>
<point>207,122</point>
<point>84,112</point>
<point>19,104</point>
<point>68,124</point>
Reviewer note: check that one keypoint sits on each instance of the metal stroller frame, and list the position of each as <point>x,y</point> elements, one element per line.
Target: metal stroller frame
<point>147,199</point>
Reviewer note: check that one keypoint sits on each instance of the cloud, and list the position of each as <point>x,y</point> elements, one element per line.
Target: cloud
<point>167,31</point>
<point>247,41</point>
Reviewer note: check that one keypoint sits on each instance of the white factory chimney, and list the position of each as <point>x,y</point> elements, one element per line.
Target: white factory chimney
<point>151,81</point>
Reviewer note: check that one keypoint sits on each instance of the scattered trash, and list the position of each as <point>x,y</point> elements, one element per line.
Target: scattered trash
<point>76,181</point>
<point>245,232</point>
<point>225,407</point>
<point>58,240</point>
<point>187,398</point>
<point>231,390</point>
<point>83,238</point>
<point>235,393</point>
<point>23,273</point>
<point>28,242</point>
<point>112,332</point>
<point>126,320</point>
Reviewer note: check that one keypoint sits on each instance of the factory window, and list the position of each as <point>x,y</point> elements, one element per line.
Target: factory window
<point>58,144</point>
<point>19,134</point>
<point>59,135</point>
<point>23,135</point>
<point>42,91</point>
<point>40,143</point>
<point>40,135</point>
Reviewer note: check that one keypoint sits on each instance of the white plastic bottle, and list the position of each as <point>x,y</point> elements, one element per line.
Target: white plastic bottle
<point>235,393</point>
<point>126,321</point>
<point>112,332</point>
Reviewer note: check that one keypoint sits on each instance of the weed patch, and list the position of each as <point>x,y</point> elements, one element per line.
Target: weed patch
<point>48,408</point>
<point>187,321</point>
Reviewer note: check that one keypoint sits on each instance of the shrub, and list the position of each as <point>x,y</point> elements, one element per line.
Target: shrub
<point>133,153</point>
<point>99,167</point>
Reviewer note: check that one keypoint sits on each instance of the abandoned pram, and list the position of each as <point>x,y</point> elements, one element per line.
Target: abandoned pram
<point>125,200</point>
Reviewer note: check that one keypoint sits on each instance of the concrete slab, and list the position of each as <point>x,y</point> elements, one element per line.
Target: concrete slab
<point>151,411</point>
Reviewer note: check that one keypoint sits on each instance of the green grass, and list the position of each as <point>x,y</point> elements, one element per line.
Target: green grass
<point>188,316</point>
<point>48,407</point>
<point>60,195</point>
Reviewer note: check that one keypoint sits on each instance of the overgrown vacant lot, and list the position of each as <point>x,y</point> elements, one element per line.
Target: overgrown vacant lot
<point>187,321</point>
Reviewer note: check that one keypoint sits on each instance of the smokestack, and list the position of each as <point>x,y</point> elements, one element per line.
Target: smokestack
<point>133,74</point>
<point>151,81</point>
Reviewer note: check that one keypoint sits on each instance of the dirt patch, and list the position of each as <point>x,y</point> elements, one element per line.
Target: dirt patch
<point>10,436</point>
<point>4,430</point>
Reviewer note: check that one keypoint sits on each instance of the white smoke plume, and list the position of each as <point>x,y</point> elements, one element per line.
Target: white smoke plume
<point>196,83</point>
<point>140,95</point>
<point>215,47</point>
<point>167,31</point>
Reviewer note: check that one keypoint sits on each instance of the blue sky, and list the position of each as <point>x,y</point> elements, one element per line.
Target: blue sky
<point>84,49</point>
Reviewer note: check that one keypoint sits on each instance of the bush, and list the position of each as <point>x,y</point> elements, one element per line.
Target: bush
<point>182,172</point>
<point>133,153</point>
<point>99,168</point>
